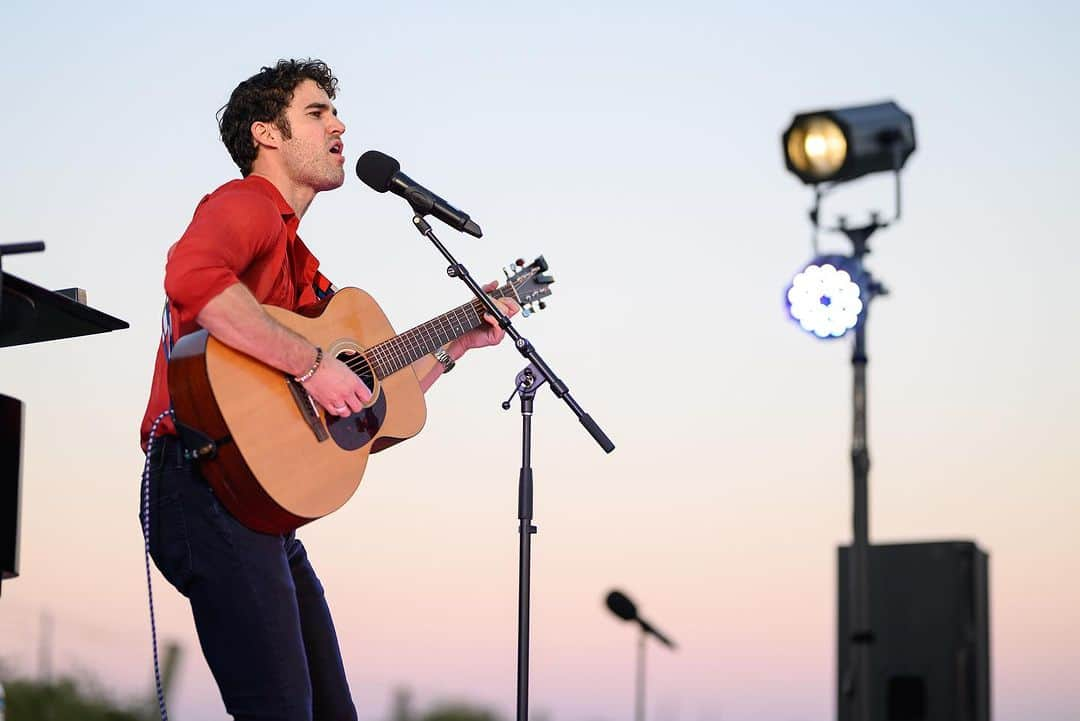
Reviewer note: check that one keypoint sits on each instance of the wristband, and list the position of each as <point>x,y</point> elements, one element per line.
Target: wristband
<point>314,367</point>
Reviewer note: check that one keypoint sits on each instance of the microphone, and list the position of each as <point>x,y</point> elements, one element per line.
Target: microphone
<point>625,609</point>
<point>381,173</point>
<point>621,606</point>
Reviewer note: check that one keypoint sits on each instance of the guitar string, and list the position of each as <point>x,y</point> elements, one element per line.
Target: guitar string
<point>388,358</point>
<point>451,325</point>
<point>396,349</point>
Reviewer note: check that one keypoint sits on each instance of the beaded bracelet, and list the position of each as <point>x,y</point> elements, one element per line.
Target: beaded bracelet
<point>314,367</point>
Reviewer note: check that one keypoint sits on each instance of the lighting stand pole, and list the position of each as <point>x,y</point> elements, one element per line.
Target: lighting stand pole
<point>639,691</point>
<point>861,635</point>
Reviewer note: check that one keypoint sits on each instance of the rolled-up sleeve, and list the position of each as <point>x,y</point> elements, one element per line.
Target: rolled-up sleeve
<point>228,231</point>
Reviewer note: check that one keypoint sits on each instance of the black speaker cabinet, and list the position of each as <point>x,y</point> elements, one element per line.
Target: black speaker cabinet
<point>930,620</point>
<point>11,422</point>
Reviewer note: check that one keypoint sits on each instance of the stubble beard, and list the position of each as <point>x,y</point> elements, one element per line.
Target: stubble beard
<point>318,172</point>
<point>322,176</point>
<point>334,178</point>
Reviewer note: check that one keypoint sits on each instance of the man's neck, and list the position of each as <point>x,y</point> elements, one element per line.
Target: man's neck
<point>298,197</point>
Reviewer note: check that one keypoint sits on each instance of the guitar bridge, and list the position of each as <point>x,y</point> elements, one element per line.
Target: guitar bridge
<point>308,410</point>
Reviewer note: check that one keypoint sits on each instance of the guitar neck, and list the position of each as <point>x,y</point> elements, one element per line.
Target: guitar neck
<point>393,354</point>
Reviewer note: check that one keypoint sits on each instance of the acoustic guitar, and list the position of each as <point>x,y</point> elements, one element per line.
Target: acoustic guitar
<point>273,457</point>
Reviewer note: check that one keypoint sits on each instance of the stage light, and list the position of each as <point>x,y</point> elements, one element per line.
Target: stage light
<point>831,296</point>
<point>836,145</point>
<point>827,297</point>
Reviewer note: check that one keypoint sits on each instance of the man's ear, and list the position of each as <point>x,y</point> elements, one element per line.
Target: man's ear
<point>266,134</point>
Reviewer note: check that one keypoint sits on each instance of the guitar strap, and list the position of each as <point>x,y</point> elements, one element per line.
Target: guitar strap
<point>166,332</point>
<point>323,287</point>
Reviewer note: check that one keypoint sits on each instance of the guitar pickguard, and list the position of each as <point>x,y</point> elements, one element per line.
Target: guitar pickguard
<point>357,430</point>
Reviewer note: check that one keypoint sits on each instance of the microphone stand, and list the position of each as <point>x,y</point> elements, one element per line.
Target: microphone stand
<point>639,679</point>
<point>527,381</point>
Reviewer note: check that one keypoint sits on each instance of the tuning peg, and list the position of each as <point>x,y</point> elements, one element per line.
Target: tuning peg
<point>520,262</point>
<point>542,305</point>
<point>509,271</point>
<point>526,311</point>
<point>544,279</point>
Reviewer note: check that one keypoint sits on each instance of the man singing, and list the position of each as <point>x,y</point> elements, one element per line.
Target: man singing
<point>259,609</point>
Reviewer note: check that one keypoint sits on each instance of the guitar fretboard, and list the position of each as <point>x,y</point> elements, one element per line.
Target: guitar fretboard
<point>392,355</point>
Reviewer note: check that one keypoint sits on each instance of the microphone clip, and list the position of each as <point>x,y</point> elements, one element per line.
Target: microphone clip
<point>526,384</point>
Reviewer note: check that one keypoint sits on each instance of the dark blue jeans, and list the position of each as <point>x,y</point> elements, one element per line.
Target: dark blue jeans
<point>259,608</point>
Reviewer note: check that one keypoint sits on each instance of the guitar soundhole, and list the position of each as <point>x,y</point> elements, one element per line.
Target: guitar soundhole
<point>359,365</point>
<point>358,429</point>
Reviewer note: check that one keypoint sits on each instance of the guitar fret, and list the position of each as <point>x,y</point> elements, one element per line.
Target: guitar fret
<point>373,361</point>
<point>433,338</point>
<point>395,349</point>
<point>402,351</point>
<point>416,338</point>
<point>380,366</point>
<point>408,346</point>
<point>395,353</point>
<point>391,360</point>
<point>425,335</point>
<point>455,323</point>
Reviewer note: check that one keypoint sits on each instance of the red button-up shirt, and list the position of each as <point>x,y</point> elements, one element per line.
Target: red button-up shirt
<point>243,232</point>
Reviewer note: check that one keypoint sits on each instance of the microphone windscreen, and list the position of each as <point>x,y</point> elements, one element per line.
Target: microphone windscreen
<point>376,170</point>
<point>621,606</point>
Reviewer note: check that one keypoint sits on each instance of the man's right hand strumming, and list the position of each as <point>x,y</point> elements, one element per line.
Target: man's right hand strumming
<point>236,319</point>
<point>336,388</point>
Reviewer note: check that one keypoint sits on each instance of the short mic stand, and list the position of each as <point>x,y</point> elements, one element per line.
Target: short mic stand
<point>527,381</point>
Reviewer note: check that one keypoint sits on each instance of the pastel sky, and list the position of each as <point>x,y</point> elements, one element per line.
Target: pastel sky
<point>635,145</point>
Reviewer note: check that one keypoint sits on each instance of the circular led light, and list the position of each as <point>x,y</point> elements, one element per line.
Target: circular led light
<point>824,299</point>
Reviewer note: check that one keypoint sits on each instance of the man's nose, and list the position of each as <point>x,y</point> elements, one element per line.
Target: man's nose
<point>336,126</point>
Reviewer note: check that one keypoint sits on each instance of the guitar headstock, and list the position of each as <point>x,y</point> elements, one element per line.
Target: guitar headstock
<point>528,284</point>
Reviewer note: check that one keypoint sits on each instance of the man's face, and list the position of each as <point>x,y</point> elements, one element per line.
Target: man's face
<point>314,155</point>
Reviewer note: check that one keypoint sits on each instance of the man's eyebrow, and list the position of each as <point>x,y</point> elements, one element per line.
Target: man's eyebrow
<point>321,106</point>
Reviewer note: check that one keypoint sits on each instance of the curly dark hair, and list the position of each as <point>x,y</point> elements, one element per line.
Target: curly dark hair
<point>264,97</point>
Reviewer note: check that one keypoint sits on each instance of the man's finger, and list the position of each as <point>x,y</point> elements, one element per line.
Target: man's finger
<point>362,391</point>
<point>338,408</point>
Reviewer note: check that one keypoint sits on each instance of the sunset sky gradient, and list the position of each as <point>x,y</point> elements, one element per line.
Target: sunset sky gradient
<point>635,145</point>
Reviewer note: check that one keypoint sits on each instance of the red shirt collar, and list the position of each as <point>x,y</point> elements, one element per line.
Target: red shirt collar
<point>270,190</point>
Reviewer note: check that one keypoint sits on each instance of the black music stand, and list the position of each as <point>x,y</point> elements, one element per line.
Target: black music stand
<point>31,314</point>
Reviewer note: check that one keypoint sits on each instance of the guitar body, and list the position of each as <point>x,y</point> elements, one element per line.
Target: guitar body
<point>281,462</point>
<point>274,458</point>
